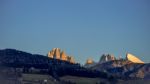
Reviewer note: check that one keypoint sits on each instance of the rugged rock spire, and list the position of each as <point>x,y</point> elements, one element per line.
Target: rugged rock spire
<point>106,57</point>
<point>50,55</point>
<point>57,53</point>
<point>89,61</point>
<point>63,56</point>
<point>71,59</point>
<point>133,58</point>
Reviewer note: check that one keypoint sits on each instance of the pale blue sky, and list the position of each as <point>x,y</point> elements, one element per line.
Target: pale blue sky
<point>83,28</point>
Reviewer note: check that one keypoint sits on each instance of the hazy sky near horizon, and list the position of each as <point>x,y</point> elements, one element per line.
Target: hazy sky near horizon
<point>83,28</point>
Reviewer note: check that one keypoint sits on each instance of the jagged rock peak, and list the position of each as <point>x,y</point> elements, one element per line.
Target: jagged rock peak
<point>133,58</point>
<point>63,56</point>
<point>89,61</point>
<point>50,54</point>
<point>56,53</point>
<point>71,59</point>
<point>106,58</point>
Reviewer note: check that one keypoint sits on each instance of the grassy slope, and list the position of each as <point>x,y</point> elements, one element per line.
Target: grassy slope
<point>82,80</point>
<point>37,79</point>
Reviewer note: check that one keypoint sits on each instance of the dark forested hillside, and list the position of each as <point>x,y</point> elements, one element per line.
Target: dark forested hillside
<point>42,64</point>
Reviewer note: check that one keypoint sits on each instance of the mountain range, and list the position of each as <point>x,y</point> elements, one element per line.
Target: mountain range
<point>110,71</point>
<point>122,67</point>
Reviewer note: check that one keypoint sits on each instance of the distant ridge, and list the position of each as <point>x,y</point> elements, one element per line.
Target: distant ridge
<point>131,66</point>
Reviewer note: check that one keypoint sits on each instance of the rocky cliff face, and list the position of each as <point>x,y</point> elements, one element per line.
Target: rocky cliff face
<point>63,56</point>
<point>106,58</point>
<point>89,61</point>
<point>71,59</point>
<point>133,58</point>
<point>140,71</point>
<point>56,53</point>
